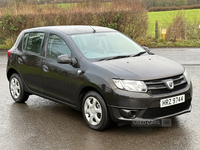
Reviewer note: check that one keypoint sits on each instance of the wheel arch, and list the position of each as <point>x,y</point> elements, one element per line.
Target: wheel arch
<point>10,72</point>
<point>82,94</point>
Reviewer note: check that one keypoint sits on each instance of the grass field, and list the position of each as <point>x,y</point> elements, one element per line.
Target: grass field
<point>165,18</point>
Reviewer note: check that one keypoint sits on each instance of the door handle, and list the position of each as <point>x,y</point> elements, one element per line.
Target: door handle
<point>45,68</point>
<point>20,61</point>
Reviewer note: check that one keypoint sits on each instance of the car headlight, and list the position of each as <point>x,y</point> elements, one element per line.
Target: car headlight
<point>187,77</point>
<point>131,85</point>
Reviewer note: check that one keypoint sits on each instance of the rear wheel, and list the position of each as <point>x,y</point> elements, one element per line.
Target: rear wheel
<point>17,89</point>
<point>95,111</point>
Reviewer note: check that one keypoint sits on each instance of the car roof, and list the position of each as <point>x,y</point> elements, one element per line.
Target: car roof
<point>72,29</point>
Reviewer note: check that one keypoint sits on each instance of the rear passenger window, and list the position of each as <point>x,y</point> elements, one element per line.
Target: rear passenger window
<point>33,42</point>
<point>56,47</point>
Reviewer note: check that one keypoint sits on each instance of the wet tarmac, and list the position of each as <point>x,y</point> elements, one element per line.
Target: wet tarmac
<point>40,124</point>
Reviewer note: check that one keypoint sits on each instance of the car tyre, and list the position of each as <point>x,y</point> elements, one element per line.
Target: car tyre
<point>95,111</point>
<point>16,88</point>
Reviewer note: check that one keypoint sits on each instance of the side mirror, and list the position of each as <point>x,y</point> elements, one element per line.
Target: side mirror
<point>64,59</point>
<point>147,50</point>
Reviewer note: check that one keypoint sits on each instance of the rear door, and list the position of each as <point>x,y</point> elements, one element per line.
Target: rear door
<point>59,80</point>
<point>30,60</point>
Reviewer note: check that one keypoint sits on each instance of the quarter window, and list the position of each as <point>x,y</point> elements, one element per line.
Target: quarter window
<point>20,46</point>
<point>25,40</point>
<point>34,42</point>
<point>57,47</point>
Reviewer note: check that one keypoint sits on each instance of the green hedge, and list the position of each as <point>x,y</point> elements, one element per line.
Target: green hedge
<point>133,23</point>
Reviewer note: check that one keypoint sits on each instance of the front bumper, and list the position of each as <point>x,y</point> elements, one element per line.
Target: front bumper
<point>127,106</point>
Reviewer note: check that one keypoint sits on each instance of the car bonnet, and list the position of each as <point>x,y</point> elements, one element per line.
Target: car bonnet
<point>146,67</point>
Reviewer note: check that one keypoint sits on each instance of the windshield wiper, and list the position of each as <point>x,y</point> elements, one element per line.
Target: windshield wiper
<point>123,56</point>
<point>138,54</point>
<point>115,57</point>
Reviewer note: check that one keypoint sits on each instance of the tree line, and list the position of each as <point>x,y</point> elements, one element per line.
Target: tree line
<point>4,3</point>
<point>168,3</point>
<point>147,3</point>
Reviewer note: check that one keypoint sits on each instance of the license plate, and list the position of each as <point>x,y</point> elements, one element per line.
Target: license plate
<point>172,101</point>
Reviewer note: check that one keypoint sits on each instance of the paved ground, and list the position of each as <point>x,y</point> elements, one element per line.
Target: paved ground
<point>41,124</point>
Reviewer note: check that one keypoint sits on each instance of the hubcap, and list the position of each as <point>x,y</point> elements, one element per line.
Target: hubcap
<point>15,88</point>
<point>93,111</point>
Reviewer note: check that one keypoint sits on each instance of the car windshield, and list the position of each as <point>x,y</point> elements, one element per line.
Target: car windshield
<point>106,45</point>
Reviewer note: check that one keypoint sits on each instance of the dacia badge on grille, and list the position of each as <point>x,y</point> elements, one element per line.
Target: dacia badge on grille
<point>169,84</point>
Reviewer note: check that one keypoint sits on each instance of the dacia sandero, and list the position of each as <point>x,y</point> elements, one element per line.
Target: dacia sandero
<point>98,71</point>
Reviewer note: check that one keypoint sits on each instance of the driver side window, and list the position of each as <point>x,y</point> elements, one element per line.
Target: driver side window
<point>56,47</point>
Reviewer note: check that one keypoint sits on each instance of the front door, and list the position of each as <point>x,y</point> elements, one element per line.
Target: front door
<point>59,80</point>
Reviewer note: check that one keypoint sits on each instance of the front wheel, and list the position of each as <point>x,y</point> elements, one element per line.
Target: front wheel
<point>17,90</point>
<point>95,111</point>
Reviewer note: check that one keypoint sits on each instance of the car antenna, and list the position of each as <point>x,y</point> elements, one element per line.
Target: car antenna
<point>94,31</point>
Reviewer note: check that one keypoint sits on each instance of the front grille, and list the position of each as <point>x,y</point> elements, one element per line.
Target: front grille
<point>152,113</point>
<point>158,86</point>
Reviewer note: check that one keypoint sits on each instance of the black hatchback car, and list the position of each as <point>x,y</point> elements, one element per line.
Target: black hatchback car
<point>98,71</point>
